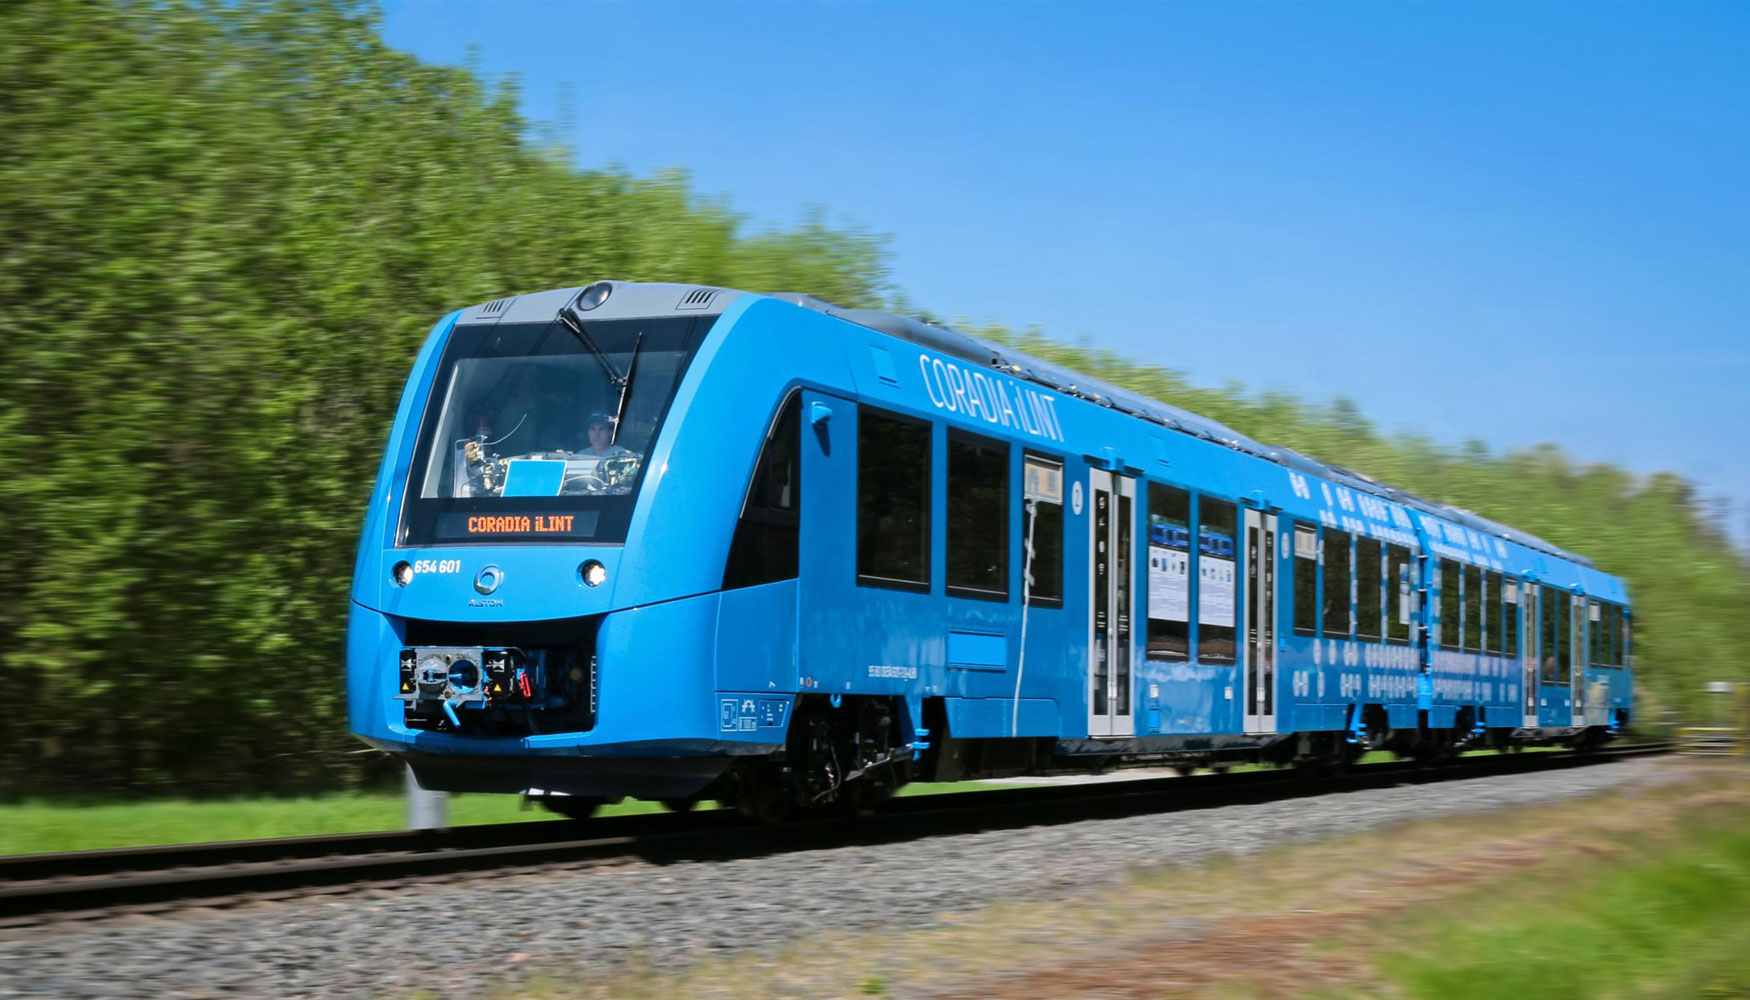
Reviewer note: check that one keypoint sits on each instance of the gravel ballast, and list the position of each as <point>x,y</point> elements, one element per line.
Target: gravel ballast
<point>458,940</point>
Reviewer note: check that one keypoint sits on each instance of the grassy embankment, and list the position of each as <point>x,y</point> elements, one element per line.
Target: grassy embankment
<point>1643,895</point>
<point>42,825</point>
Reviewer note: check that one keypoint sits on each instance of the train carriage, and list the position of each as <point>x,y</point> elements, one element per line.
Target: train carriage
<point>676,542</point>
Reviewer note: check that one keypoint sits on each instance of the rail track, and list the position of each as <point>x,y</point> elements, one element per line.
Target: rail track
<point>80,885</point>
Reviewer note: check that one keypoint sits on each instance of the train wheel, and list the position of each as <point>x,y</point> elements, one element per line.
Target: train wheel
<point>679,805</point>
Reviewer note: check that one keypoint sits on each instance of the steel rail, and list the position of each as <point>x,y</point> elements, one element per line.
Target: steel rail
<point>92,882</point>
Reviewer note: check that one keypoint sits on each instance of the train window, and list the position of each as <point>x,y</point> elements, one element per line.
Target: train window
<point>765,548</point>
<point>1169,573</point>
<point>1338,586</point>
<point>1042,521</point>
<point>1306,579</point>
<point>1549,646</point>
<point>1398,605</point>
<point>978,516</point>
<point>1367,605</point>
<point>1492,612</point>
<point>1510,614</point>
<point>893,501</point>
<point>1215,580</point>
<point>1450,605</point>
<point>1616,620</point>
<point>1594,633</point>
<point>1564,637</point>
<point>1473,609</point>
<point>1628,639</point>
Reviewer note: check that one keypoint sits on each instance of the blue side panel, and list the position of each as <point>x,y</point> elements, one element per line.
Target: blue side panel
<point>1312,718</point>
<point>1184,698</point>
<point>975,650</point>
<point>1402,716</point>
<point>657,678</point>
<point>370,708</point>
<point>990,717</point>
<point>1503,716</point>
<point>756,638</point>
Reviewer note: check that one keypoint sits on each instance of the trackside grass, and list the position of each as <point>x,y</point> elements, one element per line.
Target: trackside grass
<point>37,826</point>
<point>1668,919</point>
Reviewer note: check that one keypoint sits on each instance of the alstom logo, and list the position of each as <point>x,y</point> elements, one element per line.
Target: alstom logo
<point>991,399</point>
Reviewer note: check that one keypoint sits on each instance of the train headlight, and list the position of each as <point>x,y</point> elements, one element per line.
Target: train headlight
<point>594,295</point>
<point>592,573</point>
<point>402,573</point>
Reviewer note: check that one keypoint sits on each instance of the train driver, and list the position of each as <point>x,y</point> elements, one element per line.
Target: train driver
<point>601,437</point>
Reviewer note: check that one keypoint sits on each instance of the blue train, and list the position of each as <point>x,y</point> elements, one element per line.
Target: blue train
<point>678,542</point>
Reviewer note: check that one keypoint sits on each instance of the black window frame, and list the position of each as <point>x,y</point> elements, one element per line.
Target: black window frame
<point>1198,638</point>
<point>927,526</point>
<point>1473,608</point>
<point>1163,630</point>
<point>1365,594</point>
<point>1451,605</point>
<point>1494,613</point>
<point>750,559</point>
<point>1400,591</point>
<point>1346,603</point>
<point>1305,581</point>
<point>1513,617</point>
<point>999,448</point>
<point>1034,598</point>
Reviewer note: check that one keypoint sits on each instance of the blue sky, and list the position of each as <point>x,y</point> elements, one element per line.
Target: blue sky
<point>1513,222</point>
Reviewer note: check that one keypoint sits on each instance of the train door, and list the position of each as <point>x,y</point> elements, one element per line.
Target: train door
<point>1258,662</point>
<point>1111,501</point>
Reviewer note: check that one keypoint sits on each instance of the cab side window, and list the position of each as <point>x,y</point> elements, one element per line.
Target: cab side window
<point>765,547</point>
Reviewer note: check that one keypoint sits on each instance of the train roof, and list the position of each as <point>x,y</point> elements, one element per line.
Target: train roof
<point>978,350</point>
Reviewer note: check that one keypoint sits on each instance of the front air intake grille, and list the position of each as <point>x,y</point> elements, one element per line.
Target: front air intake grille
<point>698,298</point>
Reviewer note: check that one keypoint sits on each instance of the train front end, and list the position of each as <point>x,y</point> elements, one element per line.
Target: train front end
<point>501,597</point>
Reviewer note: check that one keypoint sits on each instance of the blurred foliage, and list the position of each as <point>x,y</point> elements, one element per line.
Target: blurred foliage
<point>225,227</point>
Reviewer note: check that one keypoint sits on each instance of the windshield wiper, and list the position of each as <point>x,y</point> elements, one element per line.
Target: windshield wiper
<point>575,325</point>
<point>626,387</point>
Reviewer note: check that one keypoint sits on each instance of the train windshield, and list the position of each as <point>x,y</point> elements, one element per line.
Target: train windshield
<point>529,435</point>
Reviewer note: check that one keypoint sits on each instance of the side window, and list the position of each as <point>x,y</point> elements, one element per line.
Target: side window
<point>1215,581</point>
<point>1169,573</point>
<point>1565,652</point>
<point>1492,605</point>
<point>1616,619</point>
<point>893,501</point>
<point>1549,603</point>
<point>1594,632</point>
<point>1398,605</point>
<point>1450,598</point>
<point>1628,639</point>
<point>765,547</point>
<point>1337,553</point>
<point>1473,609</point>
<point>1042,525</point>
<point>978,517</point>
<point>1367,607</point>
<point>1510,612</point>
<point>1306,579</point>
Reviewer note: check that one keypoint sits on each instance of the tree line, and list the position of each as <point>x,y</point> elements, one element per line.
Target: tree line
<point>226,225</point>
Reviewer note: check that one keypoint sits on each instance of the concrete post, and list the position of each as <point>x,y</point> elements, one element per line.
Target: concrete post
<point>425,810</point>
